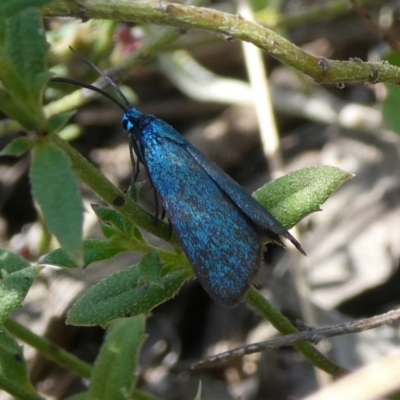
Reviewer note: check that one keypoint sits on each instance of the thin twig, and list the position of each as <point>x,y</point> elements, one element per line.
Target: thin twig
<point>230,27</point>
<point>313,335</point>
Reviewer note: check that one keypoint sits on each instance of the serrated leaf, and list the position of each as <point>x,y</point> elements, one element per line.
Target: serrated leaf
<point>10,7</point>
<point>11,262</point>
<point>23,72</point>
<point>121,349</point>
<point>12,363</point>
<point>13,289</point>
<point>295,195</point>
<point>123,295</point>
<point>56,189</point>
<point>93,250</point>
<point>17,147</point>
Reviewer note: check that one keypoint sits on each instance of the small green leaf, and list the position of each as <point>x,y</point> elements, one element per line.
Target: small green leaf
<point>99,250</point>
<point>23,72</point>
<point>121,349</point>
<point>13,289</point>
<point>109,216</point>
<point>57,122</point>
<point>295,195</point>
<point>59,258</point>
<point>10,7</point>
<point>17,147</point>
<point>134,191</point>
<point>93,250</point>
<point>12,363</point>
<point>150,268</point>
<point>11,262</point>
<point>56,189</point>
<point>123,295</point>
<point>125,230</point>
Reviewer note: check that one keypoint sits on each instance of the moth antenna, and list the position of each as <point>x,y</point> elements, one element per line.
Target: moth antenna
<point>102,74</point>
<point>90,87</point>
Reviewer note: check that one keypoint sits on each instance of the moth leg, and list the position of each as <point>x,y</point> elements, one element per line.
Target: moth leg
<point>135,164</point>
<point>169,229</point>
<point>163,213</point>
<point>157,211</point>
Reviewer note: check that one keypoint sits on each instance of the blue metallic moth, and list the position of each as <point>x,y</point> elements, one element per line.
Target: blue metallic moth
<point>221,228</point>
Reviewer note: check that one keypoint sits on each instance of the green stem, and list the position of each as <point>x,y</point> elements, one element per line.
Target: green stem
<point>232,27</point>
<point>16,390</point>
<point>284,326</point>
<point>48,349</point>
<point>96,181</point>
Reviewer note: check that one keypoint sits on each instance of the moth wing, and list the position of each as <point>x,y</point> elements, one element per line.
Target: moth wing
<point>260,216</point>
<point>220,242</point>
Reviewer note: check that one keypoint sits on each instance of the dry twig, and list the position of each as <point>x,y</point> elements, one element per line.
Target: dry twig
<point>313,335</point>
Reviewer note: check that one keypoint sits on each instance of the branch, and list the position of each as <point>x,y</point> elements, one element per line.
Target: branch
<point>313,335</point>
<point>231,27</point>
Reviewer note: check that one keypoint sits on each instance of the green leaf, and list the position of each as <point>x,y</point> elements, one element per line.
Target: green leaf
<point>23,72</point>
<point>59,258</point>
<point>134,191</point>
<point>121,349</point>
<point>391,108</point>
<point>150,268</point>
<point>56,189</point>
<point>93,250</point>
<point>124,295</point>
<point>11,262</point>
<point>295,195</point>
<point>110,216</point>
<point>17,147</point>
<point>10,7</point>
<point>57,122</point>
<point>123,225</point>
<point>12,363</point>
<point>13,289</point>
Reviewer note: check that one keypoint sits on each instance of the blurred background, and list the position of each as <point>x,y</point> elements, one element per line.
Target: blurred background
<point>200,86</point>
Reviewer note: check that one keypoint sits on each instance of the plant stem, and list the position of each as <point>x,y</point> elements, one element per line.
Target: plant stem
<point>16,390</point>
<point>96,181</point>
<point>284,326</point>
<point>48,349</point>
<point>232,27</point>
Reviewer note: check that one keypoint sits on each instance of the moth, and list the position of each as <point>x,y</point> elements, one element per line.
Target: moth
<point>221,228</point>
